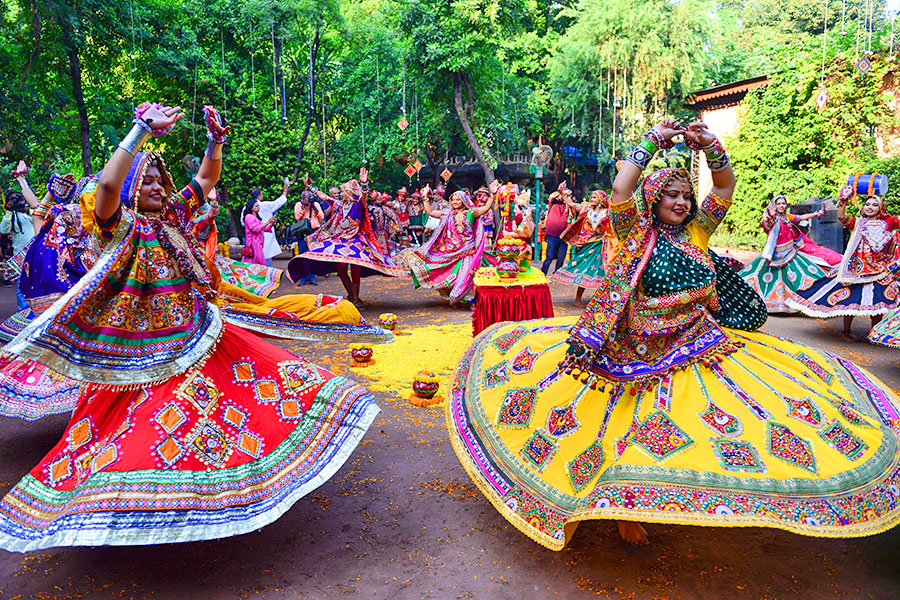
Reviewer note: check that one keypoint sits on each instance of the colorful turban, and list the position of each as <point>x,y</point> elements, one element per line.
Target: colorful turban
<point>402,192</point>
<point>131,187</point>
<point>657,181</point>
<point>353,188</point>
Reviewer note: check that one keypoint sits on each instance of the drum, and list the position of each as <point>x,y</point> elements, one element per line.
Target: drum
<point>868,184</point>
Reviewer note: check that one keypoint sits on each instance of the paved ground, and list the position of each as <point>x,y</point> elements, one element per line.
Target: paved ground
<point>402,520</point>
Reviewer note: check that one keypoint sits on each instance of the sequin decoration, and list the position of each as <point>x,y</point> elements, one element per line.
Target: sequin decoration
<point>661,437</point>
<point>723,423</point>
<point>538,450</point>
<point>848,411</point>
<point>547,380</point>
<point>170,417</point>
<point>299,376</point>
<point>843,440</point>
<point>60,469</point>
<point>504,342</point>
<point>814,366</point>
<point>561,421</point>
<point>517,406</point>
<point>80,434</point>
<point>663,400</point>
<point>497,375</point>
<point>738,455</point>
<point>200,391</point>
<point>789,447</point>
<point>622,442</point>
<point>243,372</point>
<point>585,466</point>
<point>524,360</point>
<point>210,443</point>
<point>804,409</point>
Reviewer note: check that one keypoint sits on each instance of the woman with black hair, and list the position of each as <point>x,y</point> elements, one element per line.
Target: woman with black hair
<point>254,229</point>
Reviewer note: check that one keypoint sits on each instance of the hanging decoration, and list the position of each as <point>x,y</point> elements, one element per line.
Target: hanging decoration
<point>410,171</point>
<point>863,65</point>
<point>403,123</point>
<point>822,98</point>
<point>418,165</point>
<point>446,174</point>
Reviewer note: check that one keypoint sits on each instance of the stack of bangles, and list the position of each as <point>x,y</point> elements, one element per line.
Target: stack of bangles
<point>641,155</point>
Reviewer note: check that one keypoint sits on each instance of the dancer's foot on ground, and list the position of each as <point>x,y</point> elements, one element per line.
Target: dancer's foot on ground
<point>849,337</point>
<point>580,303</point>
<point>633,533</point>
<point>358,303</point>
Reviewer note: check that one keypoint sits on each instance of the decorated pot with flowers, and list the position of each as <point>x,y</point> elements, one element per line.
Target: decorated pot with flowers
<point>361,353</point>
<point>426,384</point>
<point>508,248</point>
<point>507,269</point>
<point>387,321</point>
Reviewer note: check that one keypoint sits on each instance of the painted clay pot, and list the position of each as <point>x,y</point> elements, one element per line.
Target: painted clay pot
<point>362,355</point>
<point>507,269</point>
<point>424,385</point>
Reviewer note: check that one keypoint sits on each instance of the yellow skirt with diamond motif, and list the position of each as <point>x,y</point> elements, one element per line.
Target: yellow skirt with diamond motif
<point>776,435</point>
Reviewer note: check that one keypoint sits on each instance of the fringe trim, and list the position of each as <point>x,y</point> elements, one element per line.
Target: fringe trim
<point>580,368</point>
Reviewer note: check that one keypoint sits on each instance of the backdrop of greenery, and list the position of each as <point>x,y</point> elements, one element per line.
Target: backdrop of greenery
<point>320,85</point>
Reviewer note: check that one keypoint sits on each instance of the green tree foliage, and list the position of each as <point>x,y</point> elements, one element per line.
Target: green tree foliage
<point>787,145</point>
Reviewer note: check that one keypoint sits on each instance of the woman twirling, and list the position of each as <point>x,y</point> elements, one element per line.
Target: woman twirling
<point>346,240</point>
<point>659,403</point>
<point>862,284</point>
<point>592,235</point>
<point>790,260</point>
<point>186,427</point>
<point>457,247</point>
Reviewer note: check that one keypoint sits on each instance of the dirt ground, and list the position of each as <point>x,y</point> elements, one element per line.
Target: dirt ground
<point>402,519</point>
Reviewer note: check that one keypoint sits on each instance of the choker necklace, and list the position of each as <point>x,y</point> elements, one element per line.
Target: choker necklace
<point>666,228</point>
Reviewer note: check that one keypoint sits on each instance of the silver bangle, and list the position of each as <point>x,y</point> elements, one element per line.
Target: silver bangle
<point>214,151</point>
<point>136,138</point>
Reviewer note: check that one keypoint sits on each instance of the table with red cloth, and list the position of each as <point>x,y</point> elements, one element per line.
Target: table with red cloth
<point>496,300</point>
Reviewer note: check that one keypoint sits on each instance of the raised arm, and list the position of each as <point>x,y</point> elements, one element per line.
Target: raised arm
<point>19,174</point>
<point>641,155</point>
<point>485,208</point>
<point>845,195</point>
<point>155,120</point>
<point>211,167</point>
<point>696,134</point>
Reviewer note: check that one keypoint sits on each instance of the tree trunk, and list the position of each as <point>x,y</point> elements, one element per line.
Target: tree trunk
<point>310,100</point>
<point>75,74</point>
<point>465,113</point>
<point>36,29</point>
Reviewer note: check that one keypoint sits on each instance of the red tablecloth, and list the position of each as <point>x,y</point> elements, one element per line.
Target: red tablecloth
<point>515,303</point>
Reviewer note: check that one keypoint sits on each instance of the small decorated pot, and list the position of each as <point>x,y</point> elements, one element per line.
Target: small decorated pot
<point>426,384</point>
<point>387,321</point>
<point>361,353</point>
<point>508,248</point>
<point>507,269</point>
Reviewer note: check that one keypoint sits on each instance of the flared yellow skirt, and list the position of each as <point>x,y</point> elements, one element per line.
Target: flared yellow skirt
<point>776,435</point>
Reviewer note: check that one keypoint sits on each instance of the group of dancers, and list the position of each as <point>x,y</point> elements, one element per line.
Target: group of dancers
<point>660,403</point>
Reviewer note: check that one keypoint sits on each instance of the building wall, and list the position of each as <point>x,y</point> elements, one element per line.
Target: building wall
<point>723,121</point>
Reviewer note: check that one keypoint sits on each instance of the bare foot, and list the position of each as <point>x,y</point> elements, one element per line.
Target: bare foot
<point>633,533</point>
<point>358,303</point>
<point>849,337</point>
<point>580,303</point>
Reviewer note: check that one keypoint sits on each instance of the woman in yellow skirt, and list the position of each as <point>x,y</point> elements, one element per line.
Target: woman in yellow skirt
<point>660,404</point>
